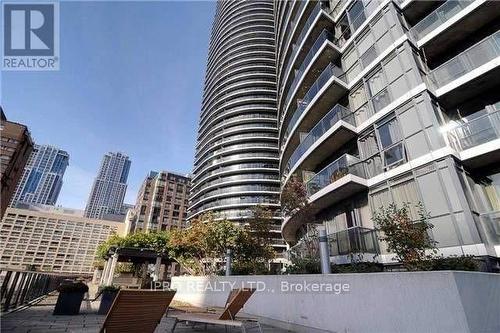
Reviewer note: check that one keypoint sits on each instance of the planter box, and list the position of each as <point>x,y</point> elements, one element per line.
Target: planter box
<point>107,299</point>
<point>68,303</point>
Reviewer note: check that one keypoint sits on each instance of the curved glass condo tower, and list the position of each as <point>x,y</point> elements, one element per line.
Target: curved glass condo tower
<point>236,160</point>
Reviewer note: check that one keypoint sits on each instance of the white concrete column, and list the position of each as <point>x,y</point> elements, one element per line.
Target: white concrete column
<point>111,273</point>
<point>104,272</point>
<point>156,274</point>
<point>95,275</point>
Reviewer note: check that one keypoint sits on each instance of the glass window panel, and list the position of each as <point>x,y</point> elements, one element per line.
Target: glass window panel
<point>399,87</point>
<point>357,98</point>
<point>381,199</point>
<point>381,100</point>
<point>394,155</point>
<point>434,199</point>
<point>368,145</point>
<point>376,83</point>
<point>365,42</point>
<point>407,192</point>
<point>389,133</point>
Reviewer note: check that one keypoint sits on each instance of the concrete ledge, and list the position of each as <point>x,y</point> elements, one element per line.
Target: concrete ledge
<point>440,301</point>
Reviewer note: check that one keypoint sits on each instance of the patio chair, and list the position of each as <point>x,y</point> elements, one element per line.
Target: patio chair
<point>137,311</point>
<point>196,309</point>
<point>228,316</point>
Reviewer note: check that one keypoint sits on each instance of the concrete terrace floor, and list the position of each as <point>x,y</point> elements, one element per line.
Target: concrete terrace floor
<point>38,318</point>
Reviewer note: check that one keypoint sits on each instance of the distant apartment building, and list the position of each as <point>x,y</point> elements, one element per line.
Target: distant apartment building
<point>16,147</point>
<point>53,239</point>
<point>162,203</point>
<point>110,186</point>
<point>42,177</point>
<point>384,102</point>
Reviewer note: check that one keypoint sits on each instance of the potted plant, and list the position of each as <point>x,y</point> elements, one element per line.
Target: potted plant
<point>70,297</point>
<point>108,294</point>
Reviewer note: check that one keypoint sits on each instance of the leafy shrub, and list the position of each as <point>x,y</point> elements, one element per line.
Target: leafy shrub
<point>305,265</point>
<point>453,263</point>
<point>111,288</point>
<point>358,267</point>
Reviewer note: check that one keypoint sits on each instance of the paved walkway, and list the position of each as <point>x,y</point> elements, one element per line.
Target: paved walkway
<point>38,318</point>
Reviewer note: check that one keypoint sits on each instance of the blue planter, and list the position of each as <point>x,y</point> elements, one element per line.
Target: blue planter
<point>107,299</point>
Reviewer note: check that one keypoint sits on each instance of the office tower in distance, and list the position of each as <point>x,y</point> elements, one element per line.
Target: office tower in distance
<point>386,102</point>
<point>42,177</point>
<point>162,203</point>
<point>16,148</point>
<point>236,159</point>
<point>110,186</point>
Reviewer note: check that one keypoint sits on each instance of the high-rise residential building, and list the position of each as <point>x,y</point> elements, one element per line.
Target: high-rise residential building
<point>162,203</point>
<point>54,239</point>
<point>16,147</point>
<point>110,186</point>
<point>236,159</point>
<point>385,102</point>
<point>42,177</point>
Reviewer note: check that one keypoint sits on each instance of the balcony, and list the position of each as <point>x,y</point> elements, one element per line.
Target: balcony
<point>453,22</point>
<point>340,180</point>
<point>474,137</point>
<point>472,71</point>
<point>328,54</point>
<point>329,84</point>
<point>353,240</point>
<point>338,125</point>
<point>343,166</point>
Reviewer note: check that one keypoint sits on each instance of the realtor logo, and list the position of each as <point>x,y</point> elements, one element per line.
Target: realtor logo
<point>31,36</point>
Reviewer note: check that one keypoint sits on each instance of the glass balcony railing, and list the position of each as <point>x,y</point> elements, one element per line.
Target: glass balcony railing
<point>330,71</point>
<point>472,58</point>
<point>324,36</point>
<point>295,20</point>
<point>491,226</point>
<point>344,165</point>
<point>337,113</point>
<point>476,129</point>
<point>353,240</point>
<point>302,35</point>
<point>439,16</point>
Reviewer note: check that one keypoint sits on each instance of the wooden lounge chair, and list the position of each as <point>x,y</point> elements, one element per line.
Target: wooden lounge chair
<point>137,311</point>
<point>227,317</point>
<point>197,309</point>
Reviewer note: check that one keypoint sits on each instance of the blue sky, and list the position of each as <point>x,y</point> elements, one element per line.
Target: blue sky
<point>131,80</point>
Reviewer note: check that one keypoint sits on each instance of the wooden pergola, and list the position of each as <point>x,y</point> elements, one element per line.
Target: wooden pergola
<point>135,256</point>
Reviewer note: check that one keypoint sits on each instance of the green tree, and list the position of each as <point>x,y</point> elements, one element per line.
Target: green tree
<point>409,240</point>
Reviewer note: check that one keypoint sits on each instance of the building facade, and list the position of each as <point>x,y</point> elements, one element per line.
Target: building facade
<point>110,186</point>
<point>391,101</point>
<point>42,178</point>
<point>52,239</point>
<point>16,147</point>
<point>162,203</point>
<point>236,159</point>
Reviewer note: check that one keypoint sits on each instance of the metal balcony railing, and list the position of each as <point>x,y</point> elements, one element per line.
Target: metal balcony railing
<point>439,16</point>
<point>337,113</point>
<point>22,287</point>
<point>295,47</point>
<point>330,71</point>
<point>341,167</point>
<point>476,129</point>
<point>470,59</point>
<point>324,36</point>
